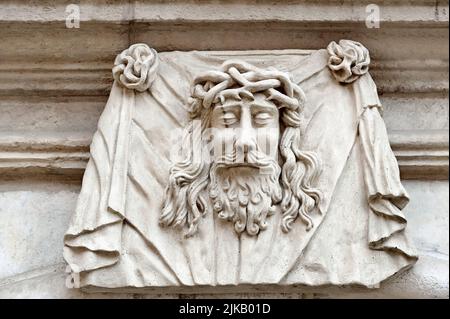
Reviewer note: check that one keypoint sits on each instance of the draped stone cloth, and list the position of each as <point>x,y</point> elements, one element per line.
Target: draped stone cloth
<point>114,239</point>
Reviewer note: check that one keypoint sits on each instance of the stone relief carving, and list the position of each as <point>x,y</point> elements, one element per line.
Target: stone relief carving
<point>241,108</point>
<point>282,175</point>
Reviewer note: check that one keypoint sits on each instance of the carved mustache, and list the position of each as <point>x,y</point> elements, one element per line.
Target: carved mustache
<point>252,158</point>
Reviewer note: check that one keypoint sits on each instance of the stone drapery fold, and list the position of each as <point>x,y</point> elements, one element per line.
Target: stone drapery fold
<point>385,192</point>
<point>93,239</point>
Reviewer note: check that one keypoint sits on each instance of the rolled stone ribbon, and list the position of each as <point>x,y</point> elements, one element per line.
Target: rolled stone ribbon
<point>348,60</point>
<point>136,67</point>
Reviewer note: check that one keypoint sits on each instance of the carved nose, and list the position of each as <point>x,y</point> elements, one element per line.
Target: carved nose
<point>246,142</point>
<point>246,137</point>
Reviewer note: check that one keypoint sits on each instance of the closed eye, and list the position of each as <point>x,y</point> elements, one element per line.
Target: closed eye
<point>262,117</point>
<point>229,118</point>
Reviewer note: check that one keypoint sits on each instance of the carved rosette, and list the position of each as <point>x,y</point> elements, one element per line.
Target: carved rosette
<point>136,67</point>
<point>348,60</point>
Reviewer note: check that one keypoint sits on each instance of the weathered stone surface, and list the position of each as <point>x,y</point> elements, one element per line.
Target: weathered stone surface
<point>249,10</point>
<point>428,216</point>
<point>54,83</point>
<point>415,112</point>
<point>272,152</point>
<point>33,218</point>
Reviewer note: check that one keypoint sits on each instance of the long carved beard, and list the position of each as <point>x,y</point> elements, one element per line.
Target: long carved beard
<point>245,194</point>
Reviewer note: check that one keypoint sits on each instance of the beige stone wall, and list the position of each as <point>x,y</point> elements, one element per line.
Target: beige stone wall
<point>54,83</point>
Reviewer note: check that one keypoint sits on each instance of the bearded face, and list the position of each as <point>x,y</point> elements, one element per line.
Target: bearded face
<point>244,176</point>
<point>237,111</point>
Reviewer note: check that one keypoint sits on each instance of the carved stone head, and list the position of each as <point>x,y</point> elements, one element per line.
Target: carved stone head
<point>241,152</point>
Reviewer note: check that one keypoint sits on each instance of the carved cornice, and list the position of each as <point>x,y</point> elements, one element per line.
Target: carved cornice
<point>185,11</point>
<point>55,80</point>
<point>408,52</point>
<point>53,156</point>
<point>421,154</point>
<point>409,56</point>
<point>408,76</point>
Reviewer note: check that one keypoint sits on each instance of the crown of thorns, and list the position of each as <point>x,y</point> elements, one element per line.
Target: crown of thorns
<point>238,79</point>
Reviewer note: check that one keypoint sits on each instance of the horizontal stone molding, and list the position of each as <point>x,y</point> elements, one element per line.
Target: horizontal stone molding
<point>421,154</point>
<point>52,156</point>
<point>409,51</point>
<point>121,11</point>
<point>408,76</point>
<point>63,81</point>
<point>41,60</point>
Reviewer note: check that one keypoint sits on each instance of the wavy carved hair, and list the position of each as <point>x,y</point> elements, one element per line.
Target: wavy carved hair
<point>186,202</point>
